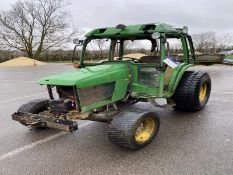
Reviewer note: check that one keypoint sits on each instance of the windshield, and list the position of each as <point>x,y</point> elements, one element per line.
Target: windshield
<point>97,50</point>
<point>103,50</point>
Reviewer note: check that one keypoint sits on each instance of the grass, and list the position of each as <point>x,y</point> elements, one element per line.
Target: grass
<point>229,57</point>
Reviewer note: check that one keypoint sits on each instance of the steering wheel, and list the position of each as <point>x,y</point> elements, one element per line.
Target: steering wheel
<point>135,60</point>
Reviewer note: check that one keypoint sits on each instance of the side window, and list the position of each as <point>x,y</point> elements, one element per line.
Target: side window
<point>174,49</point>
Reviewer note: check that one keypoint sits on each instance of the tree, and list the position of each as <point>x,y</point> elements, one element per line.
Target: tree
<point>210,42</point>
<point>36,26</point>
<point>204,42</point>
<point>225,42</point>
<point>5,55</point>
<point>100,43</point>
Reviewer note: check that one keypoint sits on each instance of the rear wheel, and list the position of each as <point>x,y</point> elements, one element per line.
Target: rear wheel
<point>134,130</point>
<point>34,107</point>
<point>193,91</point>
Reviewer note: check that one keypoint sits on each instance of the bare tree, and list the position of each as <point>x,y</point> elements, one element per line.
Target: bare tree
<point>100,43</point>
<point>5,55</point>
<point>128,44</point>
<point>205,42</point>
<point>225,41</point>
<point>36,26</point>
<point>210,42</point>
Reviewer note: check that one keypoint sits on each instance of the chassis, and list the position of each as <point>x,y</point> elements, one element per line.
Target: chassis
<point>106,91</point>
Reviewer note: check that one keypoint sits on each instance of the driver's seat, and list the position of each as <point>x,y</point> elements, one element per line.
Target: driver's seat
<point>150,59</point>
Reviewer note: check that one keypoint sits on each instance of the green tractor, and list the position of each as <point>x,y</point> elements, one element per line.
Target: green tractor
<point>106,90</point>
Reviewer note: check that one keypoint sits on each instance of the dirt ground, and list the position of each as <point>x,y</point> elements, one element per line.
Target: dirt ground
<point>21,61</point>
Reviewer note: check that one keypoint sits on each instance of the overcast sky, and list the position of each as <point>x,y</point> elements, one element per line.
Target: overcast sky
<point>198,15</point>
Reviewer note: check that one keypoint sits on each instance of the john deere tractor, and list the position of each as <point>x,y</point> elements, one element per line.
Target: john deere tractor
<point>105,88</point>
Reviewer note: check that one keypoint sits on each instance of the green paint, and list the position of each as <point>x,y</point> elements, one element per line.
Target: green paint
<point>88,76</point>
<point>124,73</point>
<point>132,30</point>
<point>175,78</point>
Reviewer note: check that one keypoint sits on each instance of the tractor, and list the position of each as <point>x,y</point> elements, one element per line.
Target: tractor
<point>105,89</point>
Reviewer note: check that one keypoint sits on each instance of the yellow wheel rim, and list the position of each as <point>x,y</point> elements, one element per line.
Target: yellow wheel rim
<point>203,91</point>
<point>145,130</point>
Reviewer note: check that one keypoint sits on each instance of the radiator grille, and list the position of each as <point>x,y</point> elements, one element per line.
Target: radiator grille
<point>95,94</point>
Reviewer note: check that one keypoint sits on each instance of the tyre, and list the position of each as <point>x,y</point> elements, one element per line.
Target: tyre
<point>134,130</point>
<point>34,107</point>
<point>193,91</point>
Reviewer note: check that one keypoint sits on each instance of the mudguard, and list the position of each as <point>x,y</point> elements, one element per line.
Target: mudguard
<point>176,77</point>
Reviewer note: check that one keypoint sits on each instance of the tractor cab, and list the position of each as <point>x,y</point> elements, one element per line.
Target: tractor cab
<point>152,52</point>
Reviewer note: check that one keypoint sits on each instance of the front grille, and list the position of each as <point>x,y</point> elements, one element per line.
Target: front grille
<point>65,91</point>
<point>94,94</point>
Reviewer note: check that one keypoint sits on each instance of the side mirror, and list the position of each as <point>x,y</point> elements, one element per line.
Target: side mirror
<point>155,35</point>
<point>78,42</point>
<point>185,29</point>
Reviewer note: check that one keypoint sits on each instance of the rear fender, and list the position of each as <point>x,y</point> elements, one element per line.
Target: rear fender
<point>176,77</point>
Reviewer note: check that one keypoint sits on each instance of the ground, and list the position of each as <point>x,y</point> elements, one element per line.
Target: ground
<point>187,143</point>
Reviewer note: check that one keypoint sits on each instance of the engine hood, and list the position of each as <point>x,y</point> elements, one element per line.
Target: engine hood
<point>89,76</point>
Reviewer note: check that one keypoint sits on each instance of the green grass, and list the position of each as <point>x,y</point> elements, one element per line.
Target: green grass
<point>229,57</point>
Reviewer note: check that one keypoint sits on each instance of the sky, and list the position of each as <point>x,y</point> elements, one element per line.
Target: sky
<point>199,15</point>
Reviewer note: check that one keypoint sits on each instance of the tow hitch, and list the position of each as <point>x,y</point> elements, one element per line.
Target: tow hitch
<point>37,120</point>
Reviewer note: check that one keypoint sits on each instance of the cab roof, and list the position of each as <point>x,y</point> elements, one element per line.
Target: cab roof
<point>140,30</point>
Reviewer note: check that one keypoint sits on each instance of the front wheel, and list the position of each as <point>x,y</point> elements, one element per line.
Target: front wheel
<point>193,91</point>
<point>134,130</point>
<point>34,107</point>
